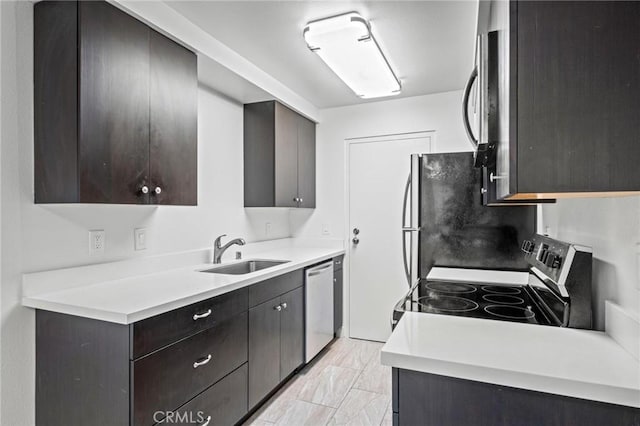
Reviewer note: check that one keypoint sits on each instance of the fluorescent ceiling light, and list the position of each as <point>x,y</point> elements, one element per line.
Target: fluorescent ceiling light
<point>345,43</point>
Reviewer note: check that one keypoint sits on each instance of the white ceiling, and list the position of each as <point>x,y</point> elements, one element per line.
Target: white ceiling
<point>429,44</point>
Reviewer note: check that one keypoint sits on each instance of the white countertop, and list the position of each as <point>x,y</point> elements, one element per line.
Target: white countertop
<point>130,299</point>
<point>577,363</point>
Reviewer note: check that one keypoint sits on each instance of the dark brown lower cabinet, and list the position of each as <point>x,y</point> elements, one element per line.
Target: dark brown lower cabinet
<point>337,294</point>
<point>211,361</point>
<point>276,342</point>
<point>429,399</point>
<point>264,350</point>
<point>91,372</point>
<point>291,332</point>
<point>167,378</point>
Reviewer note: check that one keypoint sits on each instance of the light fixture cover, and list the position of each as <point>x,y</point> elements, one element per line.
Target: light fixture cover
<point>345,43</point>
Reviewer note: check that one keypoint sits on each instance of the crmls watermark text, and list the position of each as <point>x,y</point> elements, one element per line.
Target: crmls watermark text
<point>185,417</point>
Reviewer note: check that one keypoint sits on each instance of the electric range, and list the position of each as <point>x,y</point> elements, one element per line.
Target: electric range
<point>558,291</point>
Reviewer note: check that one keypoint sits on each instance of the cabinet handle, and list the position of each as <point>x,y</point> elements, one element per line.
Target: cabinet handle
<point>335,280</point>
<point>296,200</point>
<point>202,361</point>
<point>284,305</point>
<point>158,190</point>
<point>144,189</point>
<point>338,262</point>
<point>278,308</point>
<point>196,317</point>
<point>300,200</point>
<point>493,177</point>
<point>206,422</point>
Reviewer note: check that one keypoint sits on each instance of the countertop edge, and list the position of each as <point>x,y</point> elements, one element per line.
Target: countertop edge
<point>126,318</point>
<point>516,379</point>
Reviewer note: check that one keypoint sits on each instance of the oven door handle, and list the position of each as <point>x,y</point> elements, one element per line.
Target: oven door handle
<point>465,108</point>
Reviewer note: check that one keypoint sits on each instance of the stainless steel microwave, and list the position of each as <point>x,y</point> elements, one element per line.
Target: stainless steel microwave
<point>486,104</point>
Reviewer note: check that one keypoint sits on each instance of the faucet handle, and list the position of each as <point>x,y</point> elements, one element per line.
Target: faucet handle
<point>217,242</point>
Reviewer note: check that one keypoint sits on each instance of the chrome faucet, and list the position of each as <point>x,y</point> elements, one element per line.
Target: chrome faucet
<point>219,250</point>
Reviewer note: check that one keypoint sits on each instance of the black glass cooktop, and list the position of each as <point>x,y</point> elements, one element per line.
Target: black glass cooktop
<point>489,301</point>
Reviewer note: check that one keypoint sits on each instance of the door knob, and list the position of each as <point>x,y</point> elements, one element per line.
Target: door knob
<point>158,190</point>
<point>356,231</point>
<point>355,240</point>
<point>144,189</point>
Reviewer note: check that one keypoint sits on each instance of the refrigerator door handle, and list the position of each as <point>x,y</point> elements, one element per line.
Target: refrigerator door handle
<point>405,229</point>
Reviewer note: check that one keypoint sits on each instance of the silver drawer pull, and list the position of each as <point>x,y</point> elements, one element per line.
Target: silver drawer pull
<point>203,362</point>
<point>278,308</point>
<point>284,305</point>
<point>196,317</point>
<point>206,423</point>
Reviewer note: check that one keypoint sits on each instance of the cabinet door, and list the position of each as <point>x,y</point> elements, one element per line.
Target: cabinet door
<point>286,170</point>
<point>306,162</point>
<point>173,113</point>
<point>577,96</point>
<point>113,145</point>
<point>264,350</point>
<point>337,300</point>
<point>291,331</point>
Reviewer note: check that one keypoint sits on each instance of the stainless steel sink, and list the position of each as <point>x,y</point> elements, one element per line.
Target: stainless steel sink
<point>245,267</point>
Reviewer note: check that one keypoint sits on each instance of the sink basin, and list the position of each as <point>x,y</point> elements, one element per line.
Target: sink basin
<point>245,267</point>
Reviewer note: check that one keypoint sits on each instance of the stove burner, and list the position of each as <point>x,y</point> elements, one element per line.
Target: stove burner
<point>448,304</point>
<point>457,288</point>
<point>501,289</point>
<point>509,312</point>
<point>503,299</point>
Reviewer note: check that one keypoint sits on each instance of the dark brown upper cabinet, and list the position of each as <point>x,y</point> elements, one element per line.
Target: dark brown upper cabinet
<point>279,157</point>
<point>115,116</point>
<point>570,98</point>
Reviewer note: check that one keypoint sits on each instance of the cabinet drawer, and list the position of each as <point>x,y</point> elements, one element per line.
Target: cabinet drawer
<point>222,404</point>
<point>274,287</point>
<point>156,332</point>
<point>166,379</point>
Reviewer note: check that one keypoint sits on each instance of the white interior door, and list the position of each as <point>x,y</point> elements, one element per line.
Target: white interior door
<point>378,171</point>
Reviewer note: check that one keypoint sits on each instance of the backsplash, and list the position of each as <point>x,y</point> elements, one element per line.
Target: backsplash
<point>611,226</point>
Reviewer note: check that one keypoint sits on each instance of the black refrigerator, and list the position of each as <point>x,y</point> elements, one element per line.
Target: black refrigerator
<point>446,225</point>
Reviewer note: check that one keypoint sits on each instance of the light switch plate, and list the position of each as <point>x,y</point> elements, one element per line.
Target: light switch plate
<point>140,239</point>
<point>96,242</point>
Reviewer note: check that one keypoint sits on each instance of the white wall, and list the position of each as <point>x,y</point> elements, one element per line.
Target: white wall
<point>39,237</point>
<point>611,226</point>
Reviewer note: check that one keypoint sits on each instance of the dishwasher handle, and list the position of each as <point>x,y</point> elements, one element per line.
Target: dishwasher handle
<point>319,270</point>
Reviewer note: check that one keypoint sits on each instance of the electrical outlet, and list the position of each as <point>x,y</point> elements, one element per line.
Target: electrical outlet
<point>325,229</point>
<point>96,242</point>
<point>267,228</point>
<point>140,239</point>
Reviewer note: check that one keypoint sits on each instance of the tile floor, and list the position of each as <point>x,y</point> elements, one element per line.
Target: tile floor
<point>344,385</point>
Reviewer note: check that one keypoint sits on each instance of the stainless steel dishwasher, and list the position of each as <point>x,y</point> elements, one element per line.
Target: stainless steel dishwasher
<point>319,308</point>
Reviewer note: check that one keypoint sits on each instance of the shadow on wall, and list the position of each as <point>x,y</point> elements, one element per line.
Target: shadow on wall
<point>606,277</point>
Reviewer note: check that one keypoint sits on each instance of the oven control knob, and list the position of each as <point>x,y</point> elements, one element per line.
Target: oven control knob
<point>552,261</point>
<point>543,256</point>
<point>528,246</point>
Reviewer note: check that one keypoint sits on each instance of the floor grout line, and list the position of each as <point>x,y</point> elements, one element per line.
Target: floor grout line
<point>352,386</point>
